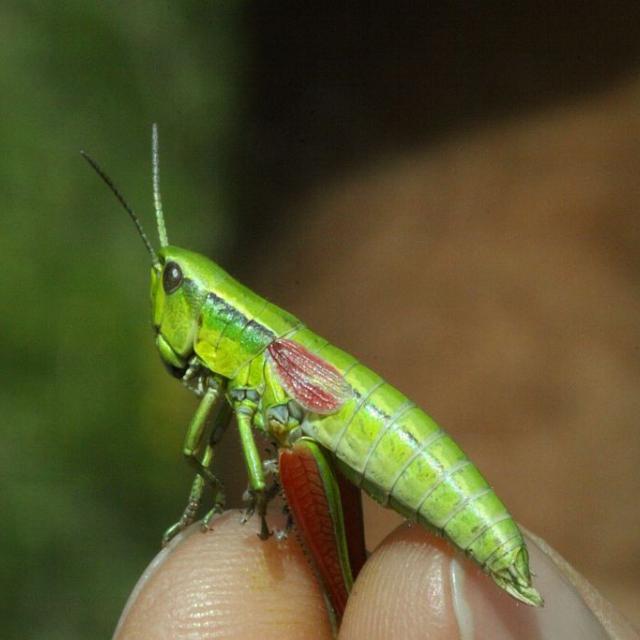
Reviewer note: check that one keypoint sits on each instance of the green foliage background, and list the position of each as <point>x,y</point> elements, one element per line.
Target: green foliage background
<point>91,423</point>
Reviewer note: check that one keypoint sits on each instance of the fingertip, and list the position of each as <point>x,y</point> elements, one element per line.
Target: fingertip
<point>416,585</point>
<point>611,620</point>
<point>403,591</point>
<point>490,612</point>
<point>226,583</point>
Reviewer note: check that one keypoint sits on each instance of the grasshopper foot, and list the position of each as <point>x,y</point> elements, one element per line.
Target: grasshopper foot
<point>217,509</point>
<point>265,533</point>
<point>280,534</point>
<point>249,499</point>
<point>173,531</point>
<point>257,501</point>
<point>206,521</point>
<point>188,516</point>
<point>283,534</point>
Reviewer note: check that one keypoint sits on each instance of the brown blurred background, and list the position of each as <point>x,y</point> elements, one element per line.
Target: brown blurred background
<point>452,193</point>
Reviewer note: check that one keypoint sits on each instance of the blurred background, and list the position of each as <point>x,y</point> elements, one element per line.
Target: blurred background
<point>449,192</point>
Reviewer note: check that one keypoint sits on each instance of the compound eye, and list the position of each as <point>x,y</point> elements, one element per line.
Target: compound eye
<point>172,277</point>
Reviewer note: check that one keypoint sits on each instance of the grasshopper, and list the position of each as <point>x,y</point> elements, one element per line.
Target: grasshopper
<point>249,359</point>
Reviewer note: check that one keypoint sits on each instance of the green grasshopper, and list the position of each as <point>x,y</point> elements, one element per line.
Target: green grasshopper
<point>246,357</point>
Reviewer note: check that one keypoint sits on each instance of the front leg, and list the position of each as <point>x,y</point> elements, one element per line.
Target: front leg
<point>199,454</point>
<point>190,511</point>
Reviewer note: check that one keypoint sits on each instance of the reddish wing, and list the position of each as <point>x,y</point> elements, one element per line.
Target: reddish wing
<point>314,383</point>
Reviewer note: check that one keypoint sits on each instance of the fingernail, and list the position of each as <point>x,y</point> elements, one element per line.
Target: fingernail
<point>461,608</point>
<point>483,610</point>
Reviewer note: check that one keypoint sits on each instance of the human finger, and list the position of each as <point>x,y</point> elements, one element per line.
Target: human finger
<point>416,585</point>
<point>228,584</point>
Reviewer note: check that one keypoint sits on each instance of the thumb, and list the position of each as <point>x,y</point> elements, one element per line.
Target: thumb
<point>416,585</point>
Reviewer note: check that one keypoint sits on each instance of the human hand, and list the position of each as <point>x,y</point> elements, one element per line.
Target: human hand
<point>230,584</point>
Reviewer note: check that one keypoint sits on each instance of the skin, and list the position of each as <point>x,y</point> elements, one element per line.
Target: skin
<point>227,583</point>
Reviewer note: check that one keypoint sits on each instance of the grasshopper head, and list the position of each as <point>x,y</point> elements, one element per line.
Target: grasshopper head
<point>179,286</point>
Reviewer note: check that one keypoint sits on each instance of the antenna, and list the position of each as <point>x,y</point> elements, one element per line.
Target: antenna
<point>157,200</point>
<point>123,202</point>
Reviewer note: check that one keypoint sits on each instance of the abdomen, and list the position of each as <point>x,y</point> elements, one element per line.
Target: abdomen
<point>403,459</point>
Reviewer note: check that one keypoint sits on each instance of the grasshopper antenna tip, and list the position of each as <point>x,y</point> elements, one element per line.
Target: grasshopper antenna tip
<point>107,180</point>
